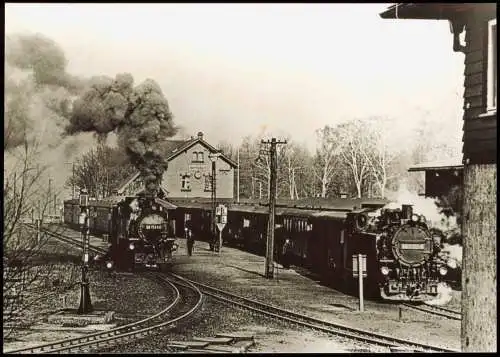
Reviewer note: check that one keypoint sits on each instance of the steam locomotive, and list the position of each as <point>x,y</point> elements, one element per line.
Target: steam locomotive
<point>141,230</point>
<point>404,252</point>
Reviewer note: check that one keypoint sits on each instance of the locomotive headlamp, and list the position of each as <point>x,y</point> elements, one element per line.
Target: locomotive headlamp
<point>131,246</point>
<point>414,217</point>
<point>443,271</point>
<point>452,263</point>
<point>109,265</point>
<point>384,270</point>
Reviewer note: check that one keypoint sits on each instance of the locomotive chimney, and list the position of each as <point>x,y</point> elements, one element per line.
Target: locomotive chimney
<point>407,211</point>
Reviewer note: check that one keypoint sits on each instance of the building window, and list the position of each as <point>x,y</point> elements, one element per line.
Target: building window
<point>198,156</point>
<point>185,184</point>
<point>492,65</point>
<point>208,183</point>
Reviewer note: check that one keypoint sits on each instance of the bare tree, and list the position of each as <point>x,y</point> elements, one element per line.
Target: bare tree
<point>378,153</point>
<point>327,158</point>
<point>354,147</point>
<point>24,194</point>
<point>100,170</point>
<point>294,163</point>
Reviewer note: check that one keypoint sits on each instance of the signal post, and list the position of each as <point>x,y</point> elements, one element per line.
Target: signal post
<point>221,221</point>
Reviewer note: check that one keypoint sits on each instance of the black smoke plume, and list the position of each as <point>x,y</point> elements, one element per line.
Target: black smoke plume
<point>140,116</point>
<point>44,57</point>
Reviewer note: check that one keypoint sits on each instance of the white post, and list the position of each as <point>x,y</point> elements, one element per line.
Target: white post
<point>220,241</point>
<point>360,280</point>
<point>38,231</point>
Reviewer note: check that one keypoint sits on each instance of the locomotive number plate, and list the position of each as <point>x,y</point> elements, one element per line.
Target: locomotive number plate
<point>413,246</point>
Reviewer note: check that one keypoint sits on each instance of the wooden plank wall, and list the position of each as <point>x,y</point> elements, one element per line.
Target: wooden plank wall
<point>480,137</point>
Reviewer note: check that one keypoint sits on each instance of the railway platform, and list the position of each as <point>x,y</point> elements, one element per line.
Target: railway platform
<point>242,273</point>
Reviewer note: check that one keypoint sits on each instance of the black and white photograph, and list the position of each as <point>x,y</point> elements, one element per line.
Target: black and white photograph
<point>250,178</point>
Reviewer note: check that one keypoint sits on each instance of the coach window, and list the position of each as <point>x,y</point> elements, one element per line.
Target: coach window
<point>492,65</point>
<point>185,183</point>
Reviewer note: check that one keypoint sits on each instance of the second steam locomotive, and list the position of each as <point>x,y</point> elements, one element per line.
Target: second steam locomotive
<point>406,264</point>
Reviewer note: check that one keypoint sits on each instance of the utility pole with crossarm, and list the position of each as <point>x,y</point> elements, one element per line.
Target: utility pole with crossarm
<point>269,273</point>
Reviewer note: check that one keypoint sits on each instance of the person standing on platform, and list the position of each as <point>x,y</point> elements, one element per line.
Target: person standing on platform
<point>189,240</point>
<point>286,253</point>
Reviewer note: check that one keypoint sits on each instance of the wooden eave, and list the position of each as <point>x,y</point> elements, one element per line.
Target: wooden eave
<point>435,11</point>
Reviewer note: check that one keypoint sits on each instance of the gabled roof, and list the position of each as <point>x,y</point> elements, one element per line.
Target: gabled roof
<point>434,11</point>
<point>190,143</point>
<point>172,149</point>
<point>127,181</point>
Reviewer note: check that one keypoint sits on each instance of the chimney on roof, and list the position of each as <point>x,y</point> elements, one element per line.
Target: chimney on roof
<point>200,135</point>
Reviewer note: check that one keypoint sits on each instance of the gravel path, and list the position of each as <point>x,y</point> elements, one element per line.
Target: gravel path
<point>270,336</point>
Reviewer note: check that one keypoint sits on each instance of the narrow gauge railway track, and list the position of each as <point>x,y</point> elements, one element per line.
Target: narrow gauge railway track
<point>182,308</point>
<point>316,324</point>
<point>76,242</point>
<point>436,310</point>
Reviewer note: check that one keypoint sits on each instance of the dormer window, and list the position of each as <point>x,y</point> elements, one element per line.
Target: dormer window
<point>492,66</point>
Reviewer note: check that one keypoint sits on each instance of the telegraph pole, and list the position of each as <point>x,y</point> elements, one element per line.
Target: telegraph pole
<point>50,193</point>
<point>238,179</point>
<point>272,203</point>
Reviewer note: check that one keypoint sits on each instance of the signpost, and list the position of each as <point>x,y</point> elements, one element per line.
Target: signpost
<point>359,260</point>
<point>221,219</point>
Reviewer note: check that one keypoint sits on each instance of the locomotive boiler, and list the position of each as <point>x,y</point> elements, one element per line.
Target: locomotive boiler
<point>405,262</point>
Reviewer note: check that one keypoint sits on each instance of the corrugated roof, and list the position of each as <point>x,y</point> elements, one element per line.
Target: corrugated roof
<point>445,164</point>
<point>165,204</point>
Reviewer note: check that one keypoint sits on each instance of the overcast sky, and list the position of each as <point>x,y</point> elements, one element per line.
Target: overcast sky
<point>234,70</point>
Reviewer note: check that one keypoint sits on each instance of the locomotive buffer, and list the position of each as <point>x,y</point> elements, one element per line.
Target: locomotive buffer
<point>221,219</point>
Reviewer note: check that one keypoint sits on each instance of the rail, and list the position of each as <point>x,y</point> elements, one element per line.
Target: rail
<point>124,333</point>
<point>59,236</point>
<point>436,310</point>
<point>316,324</point>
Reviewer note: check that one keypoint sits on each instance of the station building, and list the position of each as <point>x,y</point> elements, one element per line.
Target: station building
<point>189,172</point>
